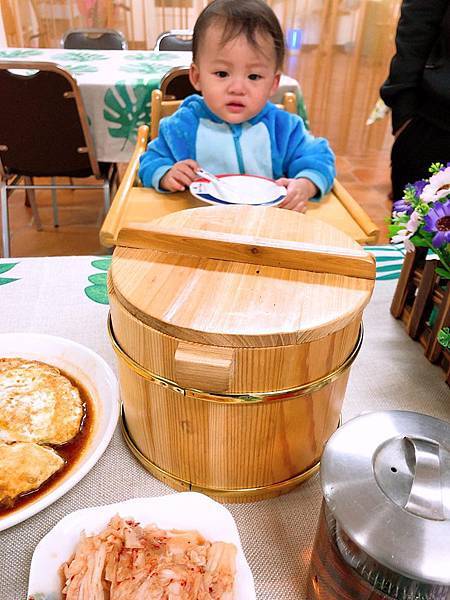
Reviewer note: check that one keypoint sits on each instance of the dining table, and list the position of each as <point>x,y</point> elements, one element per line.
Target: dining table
<point>67,296</point>
<point>116,87</point>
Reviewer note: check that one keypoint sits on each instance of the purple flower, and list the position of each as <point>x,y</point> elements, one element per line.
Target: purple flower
<point>419,185</point>
<point>402,206</point>
<point>438,221</point>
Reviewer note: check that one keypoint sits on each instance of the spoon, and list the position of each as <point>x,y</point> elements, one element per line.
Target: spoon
<point>225,190</point>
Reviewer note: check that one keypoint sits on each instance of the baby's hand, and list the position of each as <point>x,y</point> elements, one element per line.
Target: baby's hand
<point>180,176</point>
<point>299,191</point>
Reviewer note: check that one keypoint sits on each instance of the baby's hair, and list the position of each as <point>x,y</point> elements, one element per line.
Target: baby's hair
<point>240,17</point>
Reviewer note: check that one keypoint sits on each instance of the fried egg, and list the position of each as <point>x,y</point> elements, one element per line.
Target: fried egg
<point>37,403</point>
<point>23,468</point>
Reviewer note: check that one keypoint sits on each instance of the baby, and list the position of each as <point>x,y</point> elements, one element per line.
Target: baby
<point>238,52</point>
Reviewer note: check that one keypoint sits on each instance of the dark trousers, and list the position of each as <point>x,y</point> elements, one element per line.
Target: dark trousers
<point>419,145</point>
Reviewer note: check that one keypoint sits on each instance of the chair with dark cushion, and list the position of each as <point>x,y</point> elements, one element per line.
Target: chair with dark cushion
<point>44,132</point>
<point>179,40</point>
<point>94,39</point>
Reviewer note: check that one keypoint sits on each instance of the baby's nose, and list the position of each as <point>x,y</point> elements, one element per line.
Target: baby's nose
<point>236,85</point>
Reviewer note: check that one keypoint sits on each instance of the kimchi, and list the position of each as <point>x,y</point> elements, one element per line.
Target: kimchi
<point>126,561</point>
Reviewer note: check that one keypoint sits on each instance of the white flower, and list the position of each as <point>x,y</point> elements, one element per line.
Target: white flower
<point>438,187</point>
<point>414,221</point>
<point>409,246</point>
<point>401,237</point>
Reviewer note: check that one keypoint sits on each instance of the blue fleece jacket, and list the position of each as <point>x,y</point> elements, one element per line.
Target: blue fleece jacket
<point>273,144</point>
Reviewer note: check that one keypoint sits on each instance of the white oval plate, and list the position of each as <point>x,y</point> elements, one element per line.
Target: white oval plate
<point>94,374</point>
<point>187,510</point>
<point>250,189</point>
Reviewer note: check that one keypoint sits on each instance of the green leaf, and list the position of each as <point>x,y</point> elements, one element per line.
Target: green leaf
<point>435,167</point>
<point>160,56</point>
<point>97,293</point>
<point>98,278</point>
<point>394,229</point>
<point>102,264</point>
<point>19,53</point>
<point>4,267</point>
<point>81,57</point>
<point>146,68</point>
<point>79,69</point>
<point>444,337</point>
<point>419,242</point>
<point>5,280</point>
<point>443,272</point>
<point>127,107</point>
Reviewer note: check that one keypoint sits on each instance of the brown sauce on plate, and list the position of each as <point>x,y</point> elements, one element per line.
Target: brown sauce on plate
<point>71,452</point>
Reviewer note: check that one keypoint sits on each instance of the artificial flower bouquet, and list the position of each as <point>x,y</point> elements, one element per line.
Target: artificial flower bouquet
<point>422,217</point>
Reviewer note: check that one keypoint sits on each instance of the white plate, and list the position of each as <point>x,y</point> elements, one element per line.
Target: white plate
<point>187,510</point>
<point>251,189</point>
<point>93,373</point>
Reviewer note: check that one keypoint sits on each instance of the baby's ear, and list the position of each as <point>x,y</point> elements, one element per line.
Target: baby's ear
<point>194,76</point>
<point>276,83</point>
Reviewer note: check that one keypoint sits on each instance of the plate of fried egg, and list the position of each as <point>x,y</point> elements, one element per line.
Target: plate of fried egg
<point>59,406</point>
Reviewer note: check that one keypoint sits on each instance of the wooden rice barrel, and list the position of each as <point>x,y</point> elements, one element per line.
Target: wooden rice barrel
<point>235,328</point>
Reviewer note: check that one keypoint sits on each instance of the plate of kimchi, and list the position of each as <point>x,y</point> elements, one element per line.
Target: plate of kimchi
<point>180,547</point>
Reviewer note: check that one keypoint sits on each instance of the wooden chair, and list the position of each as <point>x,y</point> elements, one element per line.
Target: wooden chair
<point>132,202</point>
<point>45,134</point>
<point>176,85</point>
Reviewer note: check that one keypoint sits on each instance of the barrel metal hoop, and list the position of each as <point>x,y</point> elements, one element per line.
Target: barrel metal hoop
<point>224,493</point>
<point>232,397</point>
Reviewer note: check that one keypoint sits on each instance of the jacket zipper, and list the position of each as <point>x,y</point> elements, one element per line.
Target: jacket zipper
<point>236,130</point>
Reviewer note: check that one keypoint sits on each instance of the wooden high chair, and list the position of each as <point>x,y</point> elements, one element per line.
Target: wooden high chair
<point>134,203</point>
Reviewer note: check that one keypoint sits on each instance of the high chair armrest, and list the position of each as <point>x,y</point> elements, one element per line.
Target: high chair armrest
<point>113,218</point>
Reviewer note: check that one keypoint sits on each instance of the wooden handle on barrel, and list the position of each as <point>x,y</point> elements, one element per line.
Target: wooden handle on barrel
<point>249,249</point>
<point>199,367</point>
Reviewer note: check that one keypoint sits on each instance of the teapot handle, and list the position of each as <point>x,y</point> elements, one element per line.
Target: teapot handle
<point>425,497</point>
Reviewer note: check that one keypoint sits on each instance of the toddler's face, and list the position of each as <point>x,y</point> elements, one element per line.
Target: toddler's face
<point>236,79</point>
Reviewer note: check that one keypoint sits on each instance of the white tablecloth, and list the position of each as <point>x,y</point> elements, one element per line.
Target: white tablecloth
<point>67,297</point>
<point>116,86</point>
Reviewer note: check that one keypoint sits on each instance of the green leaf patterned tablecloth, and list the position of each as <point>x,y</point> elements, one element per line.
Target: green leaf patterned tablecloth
<point>116,86</point>
<point>91,272</point>
<point>66,296</point>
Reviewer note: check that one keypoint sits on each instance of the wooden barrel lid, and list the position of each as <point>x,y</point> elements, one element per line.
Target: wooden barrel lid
<point>241,276</point>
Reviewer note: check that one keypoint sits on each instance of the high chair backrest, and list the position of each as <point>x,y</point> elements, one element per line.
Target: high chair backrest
<point>164,108</point>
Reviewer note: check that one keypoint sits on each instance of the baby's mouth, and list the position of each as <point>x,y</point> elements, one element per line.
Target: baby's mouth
<point>235,106</point>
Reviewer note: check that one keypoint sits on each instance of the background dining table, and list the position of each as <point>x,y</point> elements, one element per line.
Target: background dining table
<point>116,86</point>
<point>66,296</point>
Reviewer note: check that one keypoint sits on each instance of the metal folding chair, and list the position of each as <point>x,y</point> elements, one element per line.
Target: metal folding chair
<point>44,132</point>
<point>175,40</point>
<point>94,39</point>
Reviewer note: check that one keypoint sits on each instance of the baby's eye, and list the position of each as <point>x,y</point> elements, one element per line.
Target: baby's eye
<point>221,74</point>
<point>254,77</point>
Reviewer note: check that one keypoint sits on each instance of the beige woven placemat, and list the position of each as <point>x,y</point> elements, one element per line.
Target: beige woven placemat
<point>277,534</point>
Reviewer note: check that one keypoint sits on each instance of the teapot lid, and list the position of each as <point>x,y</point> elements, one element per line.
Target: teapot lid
<point>386,479</point>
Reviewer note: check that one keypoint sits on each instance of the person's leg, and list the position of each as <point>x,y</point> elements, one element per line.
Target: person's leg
<point>419,145</point>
